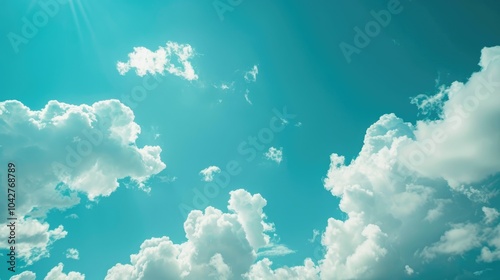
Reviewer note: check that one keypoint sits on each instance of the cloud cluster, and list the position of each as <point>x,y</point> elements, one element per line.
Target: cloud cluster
<point>72,253</point>
<point>219,245</point>
<point>65,150</point>
<point>421,200</point>
<point>274,154</point>
<point>160,61</point>
<point>55,273</point>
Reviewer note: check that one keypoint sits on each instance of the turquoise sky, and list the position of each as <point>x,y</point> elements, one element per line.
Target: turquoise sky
<point>295,47</point>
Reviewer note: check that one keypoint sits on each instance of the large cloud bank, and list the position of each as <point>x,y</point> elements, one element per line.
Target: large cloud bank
<point>63,151</point>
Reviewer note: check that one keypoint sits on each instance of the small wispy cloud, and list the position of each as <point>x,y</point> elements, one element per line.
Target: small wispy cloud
<point>274,154</point>
<point>71,216</point>
<point>274,250</point>
<point>72,253</point>
<point>315,235</point>
<point>160,61</point>
<point>251,75</point>
<point>409,270</point>
<point>225,86</point>
<point>208,173</point>
<point>167,179</point>
<point>247,98</point>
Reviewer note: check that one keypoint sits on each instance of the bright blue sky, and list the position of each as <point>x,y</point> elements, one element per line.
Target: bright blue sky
<point>73,58</point>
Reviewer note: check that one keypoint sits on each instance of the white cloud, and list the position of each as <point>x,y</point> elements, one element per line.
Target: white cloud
<point>459,239</point>
<point>56,273</point>
<point>33,239</point>
<point>490,214</point>
<point>219,245</point>
<point>408,270</point>
<point>274,250</point>
<point>25,275</point>
<point>251,75</point>
<point>225,86</point>
<point>56,169</point>
<point>208,173</point>
<point>274,154</point>
<point>262,270</point>
<point>72,253</point>
<point>466,130</point>
<point>72,216</point>
<point>247,98</point>
<point>401,211</point>
<point>157,62</point>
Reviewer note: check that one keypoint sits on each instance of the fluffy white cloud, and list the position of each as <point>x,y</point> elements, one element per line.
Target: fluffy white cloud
<point>262,270</point>
<point>219,245</point>
<point>33,239</point>
<point>458,240</point>
<point>251,75</point>
<point>415,193</point>
<point>467,130</point>
<point>26,275</point>
<point>274,154</point>
<point>54,274</point>
<point>63,150</point>
<point>72,253</point>
<point>208,173</point>
<point>403,192</point>
<point>157,62</point>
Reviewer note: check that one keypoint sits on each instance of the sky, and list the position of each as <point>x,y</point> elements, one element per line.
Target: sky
<point>239,139</point>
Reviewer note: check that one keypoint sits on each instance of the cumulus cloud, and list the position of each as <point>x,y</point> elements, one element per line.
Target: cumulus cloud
<point>160,61</point>
<point>208,173</point>
<point>251,75</point>
<point>26,275</point>
<point>262,270</point>
<point>33,239</point>
<point>55,273</point>
<point>466,130</point>
<point>72,253</point>
<point>407,210</point>
<point>404,190</point>
<point>219,245</point>
<point>64,150</point>
<point>274,154</point>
